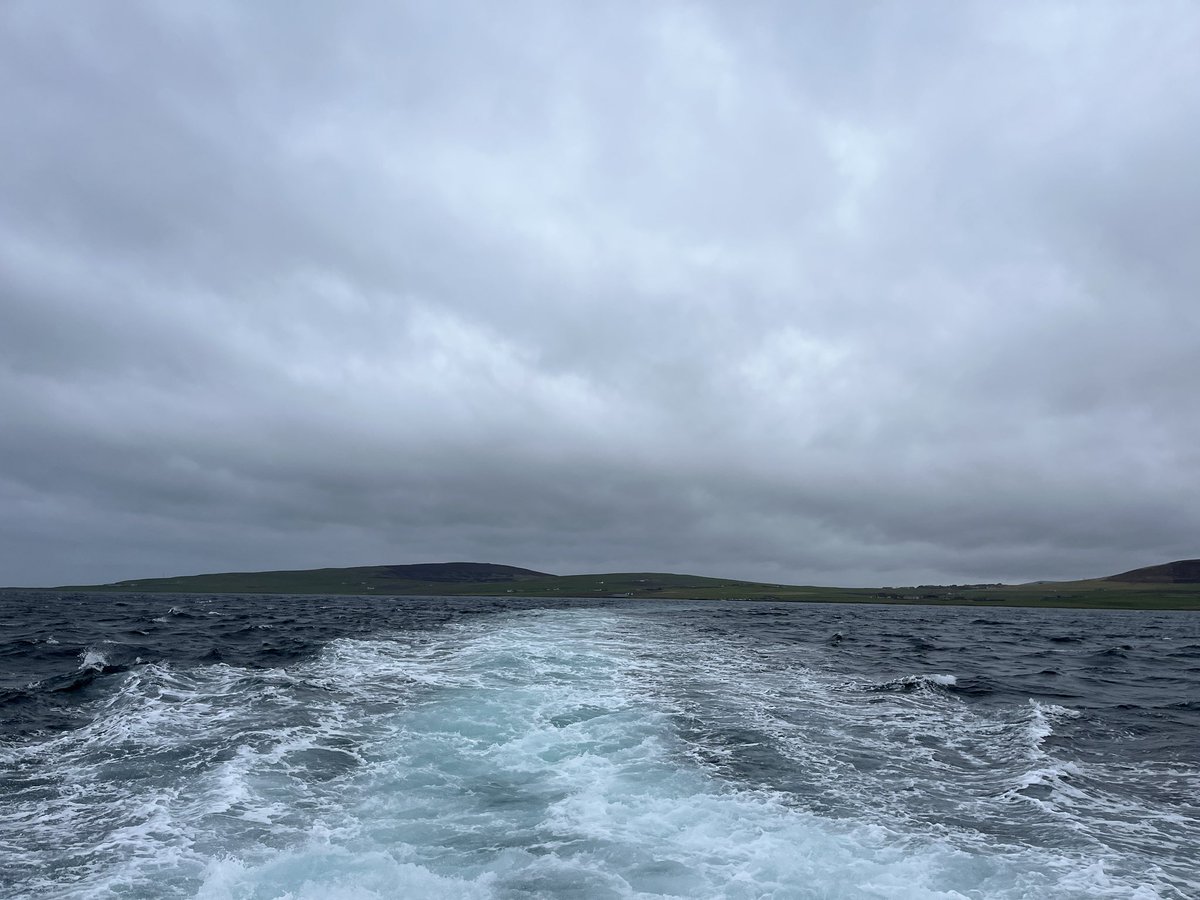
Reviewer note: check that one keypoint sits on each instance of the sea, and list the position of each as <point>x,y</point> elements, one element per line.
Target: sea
<point>332,748</point>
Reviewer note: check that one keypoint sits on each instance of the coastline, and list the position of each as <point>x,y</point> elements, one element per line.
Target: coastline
<point>1185,598</point>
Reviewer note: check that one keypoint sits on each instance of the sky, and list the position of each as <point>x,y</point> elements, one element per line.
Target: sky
<point>837,293</point>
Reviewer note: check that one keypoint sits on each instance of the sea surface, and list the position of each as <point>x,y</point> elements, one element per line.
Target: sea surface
<point>342,747</point>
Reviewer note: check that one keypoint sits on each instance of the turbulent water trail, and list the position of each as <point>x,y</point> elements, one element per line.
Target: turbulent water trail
<point>572,752</point>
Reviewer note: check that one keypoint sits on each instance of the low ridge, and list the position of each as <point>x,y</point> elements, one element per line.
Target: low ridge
<point>1173,585</point>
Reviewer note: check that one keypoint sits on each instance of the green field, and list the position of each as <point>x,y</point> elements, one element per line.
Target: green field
<point>391,580</point>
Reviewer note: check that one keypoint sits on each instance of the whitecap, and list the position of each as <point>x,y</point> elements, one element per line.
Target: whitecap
<point>92,660</point>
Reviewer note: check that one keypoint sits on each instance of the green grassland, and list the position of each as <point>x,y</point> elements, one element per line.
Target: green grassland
<point>391,580</point>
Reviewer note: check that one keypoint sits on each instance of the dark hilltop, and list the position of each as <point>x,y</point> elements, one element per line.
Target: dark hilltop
<point>1183,571</point>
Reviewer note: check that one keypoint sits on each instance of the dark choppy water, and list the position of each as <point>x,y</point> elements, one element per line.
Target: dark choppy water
<point>312,747</point>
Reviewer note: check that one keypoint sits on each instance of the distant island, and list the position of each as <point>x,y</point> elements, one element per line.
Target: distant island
<point>1174,585</point>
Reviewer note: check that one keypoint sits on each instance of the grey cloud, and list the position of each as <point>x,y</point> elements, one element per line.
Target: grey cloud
<point>847,294</point>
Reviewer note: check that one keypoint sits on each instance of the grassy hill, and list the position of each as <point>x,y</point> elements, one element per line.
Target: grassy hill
<point>487,579</point>
<point>438,579</point>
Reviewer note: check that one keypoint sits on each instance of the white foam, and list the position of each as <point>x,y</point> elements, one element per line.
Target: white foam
<point>931,680</point>
<point>93,660</point>
<point>321,872</point>
<point>1041,724</point>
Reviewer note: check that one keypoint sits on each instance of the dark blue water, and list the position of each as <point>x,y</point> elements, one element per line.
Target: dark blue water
<point>323,747</point>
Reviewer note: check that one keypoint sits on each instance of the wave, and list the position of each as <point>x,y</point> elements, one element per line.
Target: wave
<point>915,683</point>
<point>1042,718</point>
<point>1051,782</point>
<point>92,660</point>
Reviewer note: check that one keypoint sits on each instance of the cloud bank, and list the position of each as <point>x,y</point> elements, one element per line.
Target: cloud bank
<point>840,293</point>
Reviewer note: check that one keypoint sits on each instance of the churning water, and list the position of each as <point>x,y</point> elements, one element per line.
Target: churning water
<point>315,747</point>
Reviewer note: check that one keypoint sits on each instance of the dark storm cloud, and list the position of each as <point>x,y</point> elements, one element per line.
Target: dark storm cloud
<point>848,293</point>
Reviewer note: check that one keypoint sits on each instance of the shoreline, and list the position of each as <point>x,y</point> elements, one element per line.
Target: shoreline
<point>1153,601</point>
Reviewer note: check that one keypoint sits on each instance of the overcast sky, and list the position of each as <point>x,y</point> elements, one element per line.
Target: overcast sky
<point>840,293</point>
